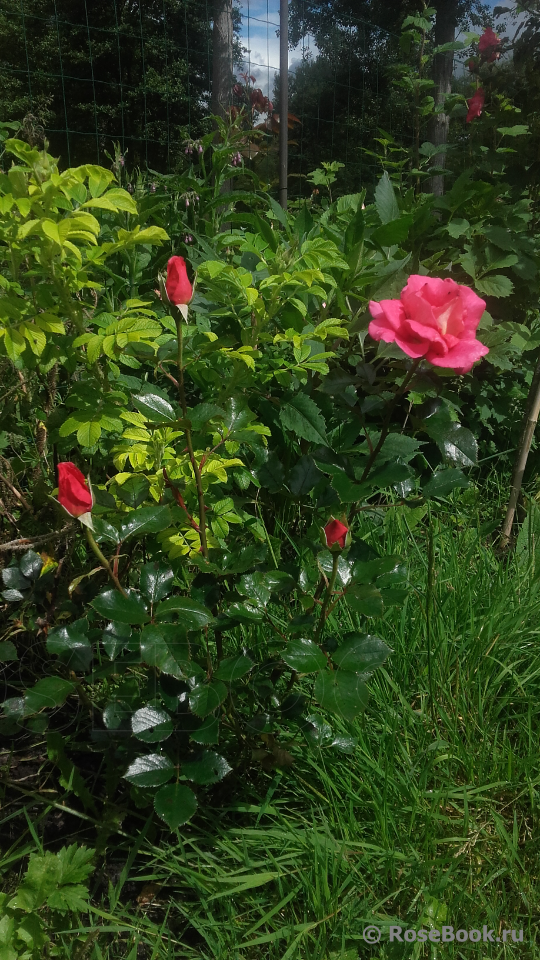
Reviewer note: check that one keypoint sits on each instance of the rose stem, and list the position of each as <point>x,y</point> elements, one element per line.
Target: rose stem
<point>103,561</point>
<point>386,425</point>
<point>187,430</point>
<point>327,596</point>
<point>533,409</point>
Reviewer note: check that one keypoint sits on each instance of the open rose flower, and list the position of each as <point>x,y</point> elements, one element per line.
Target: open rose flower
<point>335,532</point>
<point>73,492</point>
<point>434,319</point>
<point>489,46</point>
<point>476,104</point>
<point>177,285</point>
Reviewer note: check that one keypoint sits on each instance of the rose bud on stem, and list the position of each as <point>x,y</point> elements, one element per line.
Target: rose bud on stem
<point>75,496</point>
<point>177,292</point>
<point>336,536</point>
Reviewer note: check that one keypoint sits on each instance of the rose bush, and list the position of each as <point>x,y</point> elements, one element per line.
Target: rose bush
<point>434,319</point>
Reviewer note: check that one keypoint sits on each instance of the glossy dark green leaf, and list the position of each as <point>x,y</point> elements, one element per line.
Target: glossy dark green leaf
<point>203,412</point>
<point>271,473</point>
<point>443,482</point>
<point>134,491</point>
<point>116,715</point>
<point>47,693</point>
<point>30,565</point>
<point>150,771</point>
<point>151,725</point>
<point>317,731</point>
<point>166,647</point>
<point>342,693</point>
<point>245,612</point>
<point>115,638</point>
<point>394,232</point>
<point>238,561</point>
<point>304,476</point>
<point>191,615</point>
<point>278,581</point>
<point>365,599</point>
<point>71,645</point>
<point>361,653</point>
<point>175,804</point>
<point>208,732</point>
<point>145,520</point>
<point>105,532</point>
<point>8,651</point>
<point>388,474</point>
<point>111,605</point>
<point>208,768</point>
<point>156,580</point>
<point>254,586</point>
<point>237,415</point>
<point>301,415</point>
<point>233,668</point>
<point>347,490</point>
<point>345,744</point>
<point>154,408</point>
<point>207,697</point>
<point>370,570</point>
<point>13,579</point>
<point>303,655</point>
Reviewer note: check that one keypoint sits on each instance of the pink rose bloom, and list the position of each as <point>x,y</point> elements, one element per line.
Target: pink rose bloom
<point>476,104</point>
<point>434,319</point>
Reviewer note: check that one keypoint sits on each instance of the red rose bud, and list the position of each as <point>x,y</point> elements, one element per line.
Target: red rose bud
<point>471,65</point>
<point>73,492</point>
<point>336,532</point>
<point>476,104</point>
<point>177,285</point>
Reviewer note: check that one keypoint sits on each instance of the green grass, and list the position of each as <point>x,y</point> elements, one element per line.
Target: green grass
<point>434,818</point>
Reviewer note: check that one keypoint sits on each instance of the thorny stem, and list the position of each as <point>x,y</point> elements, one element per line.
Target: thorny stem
<point>187,430</point>
<point>327,597</point>
<point>103,561</point>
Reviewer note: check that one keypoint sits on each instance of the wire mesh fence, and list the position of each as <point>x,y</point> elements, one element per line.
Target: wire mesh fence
<point>89,73</point>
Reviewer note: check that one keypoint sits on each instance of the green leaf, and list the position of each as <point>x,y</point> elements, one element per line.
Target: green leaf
<point>175,804</point>
<point>49,692</point>
<point>70,644</point>
<point>233,668</point>
<point>207,697</point>
<point>385,200</point>
<point>8,651</point>
<point>389,474</point>
<point>13,579</point>
<point>192,615</point>
<point>166,647</point>
<point>458,446</point>
<point>518,130</point>
<point>443,482</point>
<point>208,732</point>
<point>115,637</point>
<point>304,476</point>
<point>361,653</point>
<point>496,286</point>
<point>366,599</point>
<point>115,715</point>
<point>151,725</point>
<point>245,612</point>
<point>209,768</point>
<point>105,531</point>
<point>149,771</point>
<point>134,491</point>
<point>156,581</point>
<point>395,232</point>
<point>88,434</point>
<point>303,655</point>
<point>154,408</point>
<point>342,693</point>
<point>271,473</point>
<point>145,520</point>
<point>111,605</point>
<point>255,587</point>
<point>303,418</point>
<point>30,565</point>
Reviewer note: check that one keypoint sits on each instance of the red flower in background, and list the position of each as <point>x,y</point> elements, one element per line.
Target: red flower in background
<point>489,46</point>
<point>73,492</point>
<point>476,104</point>
<point>179,289</point>
<point>335,532</point>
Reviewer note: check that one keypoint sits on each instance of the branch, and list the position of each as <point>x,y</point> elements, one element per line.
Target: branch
<point>26,543</point>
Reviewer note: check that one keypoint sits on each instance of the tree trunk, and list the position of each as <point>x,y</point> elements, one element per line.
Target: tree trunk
<point>222,62</point>
<point>443,63</point>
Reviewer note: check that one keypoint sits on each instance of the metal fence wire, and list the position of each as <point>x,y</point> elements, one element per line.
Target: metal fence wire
<point>89,73</point>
